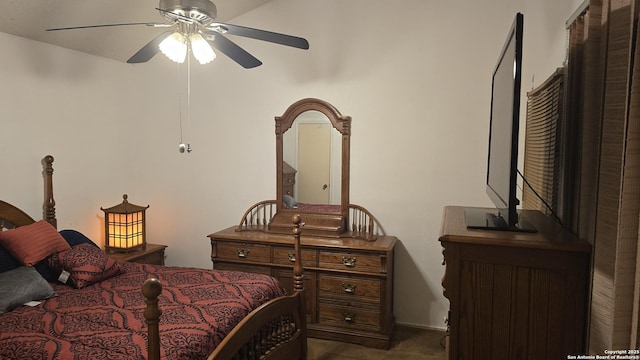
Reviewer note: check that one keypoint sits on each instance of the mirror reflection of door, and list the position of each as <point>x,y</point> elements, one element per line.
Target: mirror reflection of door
<point>314,163</point>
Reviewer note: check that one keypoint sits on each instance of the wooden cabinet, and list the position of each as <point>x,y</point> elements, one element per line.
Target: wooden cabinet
<point>514,295</point>
<point>149,254</point>
<point>348,282</point>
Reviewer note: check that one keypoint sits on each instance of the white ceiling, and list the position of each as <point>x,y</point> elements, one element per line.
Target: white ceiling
<point>31,18</point>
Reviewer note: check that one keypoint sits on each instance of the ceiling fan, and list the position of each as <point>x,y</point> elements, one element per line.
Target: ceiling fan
<point>192,28</point>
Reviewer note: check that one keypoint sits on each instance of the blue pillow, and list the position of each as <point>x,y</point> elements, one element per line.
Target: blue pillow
<point>7,262</point>
<point>76,238</point>
<point>46,271</point>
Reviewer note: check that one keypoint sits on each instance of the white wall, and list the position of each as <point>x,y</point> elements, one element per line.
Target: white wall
<point>413,74</point>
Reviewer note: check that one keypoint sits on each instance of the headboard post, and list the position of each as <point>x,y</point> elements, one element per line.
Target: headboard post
<point>49,203</point>
<point>151,289</point>
<point>298,270</point>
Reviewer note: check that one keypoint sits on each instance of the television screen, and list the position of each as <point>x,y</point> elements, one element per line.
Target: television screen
<point>502,159</point>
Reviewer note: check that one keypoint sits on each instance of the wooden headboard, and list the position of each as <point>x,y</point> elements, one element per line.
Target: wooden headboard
<point>12,217</point>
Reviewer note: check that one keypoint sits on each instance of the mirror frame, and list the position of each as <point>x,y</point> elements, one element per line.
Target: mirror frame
<point>323,223</point>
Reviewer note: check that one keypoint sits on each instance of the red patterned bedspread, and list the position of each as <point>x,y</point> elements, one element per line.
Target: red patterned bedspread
<point>105,321</point>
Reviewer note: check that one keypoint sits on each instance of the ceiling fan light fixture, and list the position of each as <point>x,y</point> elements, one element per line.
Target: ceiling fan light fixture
<point>190,17</point>
<point>174,47</point>
<point>201,49</point>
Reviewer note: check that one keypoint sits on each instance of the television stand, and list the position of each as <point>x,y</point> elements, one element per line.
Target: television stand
<point>514,295</point>
<point>488,219</point>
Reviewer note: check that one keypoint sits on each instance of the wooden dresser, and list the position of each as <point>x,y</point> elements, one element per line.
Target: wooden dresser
<point>514,295</point>
<point>348,282</point>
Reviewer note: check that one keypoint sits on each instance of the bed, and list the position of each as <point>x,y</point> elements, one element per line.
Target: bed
<point>113,310</point>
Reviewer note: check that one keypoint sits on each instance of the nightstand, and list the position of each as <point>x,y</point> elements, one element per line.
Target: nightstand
<point>149,254</point>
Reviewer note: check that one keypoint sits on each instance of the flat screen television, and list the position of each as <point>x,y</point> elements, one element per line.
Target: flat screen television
<point>502,159</point>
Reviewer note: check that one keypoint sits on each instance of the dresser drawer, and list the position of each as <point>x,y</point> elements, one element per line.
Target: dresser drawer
<point>360,262</point>
<point>156,258</point>
<point>349,316</point>
<point>256,269</point>
<point>149,254</point>
<point>350,288</point>
<point>246,252</point>
<point>285,255</point>
<point>288,179</point>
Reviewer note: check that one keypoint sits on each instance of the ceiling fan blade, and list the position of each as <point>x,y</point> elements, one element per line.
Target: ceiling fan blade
<point>235,52</point>
<point>150,50</point>
<point>109,25</point>
<point>263,35</point>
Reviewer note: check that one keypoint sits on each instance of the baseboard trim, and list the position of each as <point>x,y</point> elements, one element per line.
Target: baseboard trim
<point>424,327</point>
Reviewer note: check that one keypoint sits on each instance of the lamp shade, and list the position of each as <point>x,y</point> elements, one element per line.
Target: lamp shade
<point>201,49</point>
<point>175,47</point>
<point>124,226</point>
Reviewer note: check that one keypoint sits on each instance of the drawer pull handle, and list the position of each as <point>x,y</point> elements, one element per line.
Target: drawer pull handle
<point>243,253</point>
<point>292,258</point>
<point>349,288</point>
<point>349,261</point>
<point>349,317</point>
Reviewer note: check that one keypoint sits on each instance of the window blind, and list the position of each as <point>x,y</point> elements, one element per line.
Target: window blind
<point>544,139</point>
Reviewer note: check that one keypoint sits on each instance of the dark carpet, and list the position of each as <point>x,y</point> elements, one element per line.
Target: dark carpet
<point>408,343</point>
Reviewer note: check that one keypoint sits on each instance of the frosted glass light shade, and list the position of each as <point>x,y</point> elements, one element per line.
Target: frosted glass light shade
<point>175,47</point>
<point>201,49</point>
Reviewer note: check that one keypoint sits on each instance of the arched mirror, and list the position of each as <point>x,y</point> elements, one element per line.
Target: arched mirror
<point>312,163</point>
<point>312,167</point>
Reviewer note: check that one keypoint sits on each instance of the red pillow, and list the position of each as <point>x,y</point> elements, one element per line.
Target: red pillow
<point>86,264</point>
<point>32,243</point>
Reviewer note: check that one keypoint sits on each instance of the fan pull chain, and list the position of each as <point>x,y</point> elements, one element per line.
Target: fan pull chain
<point>181,145</point>
<point>185,147</point>
<point>189,94</point>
